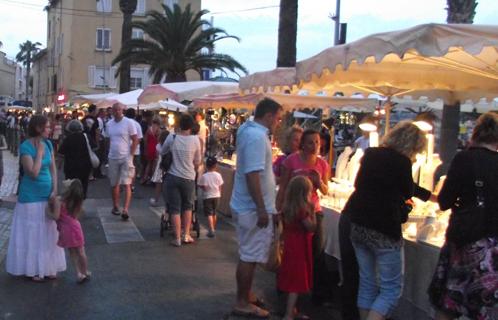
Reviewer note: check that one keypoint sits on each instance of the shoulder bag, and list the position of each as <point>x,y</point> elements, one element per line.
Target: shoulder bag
<point>93,157</point>
<point>167,158</point>
<point>467,222</point>
<point>276,249</point>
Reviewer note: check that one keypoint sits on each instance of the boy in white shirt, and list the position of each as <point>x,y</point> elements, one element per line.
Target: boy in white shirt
<point>211,183</point>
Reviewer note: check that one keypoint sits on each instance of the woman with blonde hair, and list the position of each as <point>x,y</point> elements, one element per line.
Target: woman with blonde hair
<point>383,184</point>
<point>465,281</point>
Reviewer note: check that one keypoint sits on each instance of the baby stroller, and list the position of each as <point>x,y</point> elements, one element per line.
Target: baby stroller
<point>166,223</point>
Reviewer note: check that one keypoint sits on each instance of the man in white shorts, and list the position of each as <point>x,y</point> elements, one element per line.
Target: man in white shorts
<point>122,135</point>
<point>253,202</point>
<point>137,163</point>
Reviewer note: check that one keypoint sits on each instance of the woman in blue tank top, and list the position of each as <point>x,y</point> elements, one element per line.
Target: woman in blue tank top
<point>33,250</point>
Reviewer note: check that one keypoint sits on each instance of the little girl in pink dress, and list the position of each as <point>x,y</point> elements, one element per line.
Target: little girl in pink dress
<point>66,214</point>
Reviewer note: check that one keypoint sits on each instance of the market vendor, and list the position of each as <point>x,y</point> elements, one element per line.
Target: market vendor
<point>307,162</point>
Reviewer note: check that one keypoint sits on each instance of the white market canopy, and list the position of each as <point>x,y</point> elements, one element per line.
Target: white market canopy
<point>128,99</point>
<point>460,61</point>
<point>168,104</point>
<point>276,80</point>
<point>181,91</point>
<point>288,101</point>
<point>302,115</point>
<point>91,98</point>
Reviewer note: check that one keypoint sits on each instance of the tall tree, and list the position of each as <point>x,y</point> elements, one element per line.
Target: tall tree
<point>27,51</point>
<point>287,33</point>
<point>127,7</point>
<point>175,43</point>
<point>459,11</point>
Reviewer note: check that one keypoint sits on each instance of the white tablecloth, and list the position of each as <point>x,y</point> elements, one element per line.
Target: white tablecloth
<point>420,263</point>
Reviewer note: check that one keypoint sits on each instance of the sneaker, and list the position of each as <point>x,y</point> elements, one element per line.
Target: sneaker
<point>125,216</point>
<point>116,212</point>
<point>176,243</point>
<point>211,234</point>
<point>153,202</point>
<point>187,239</point>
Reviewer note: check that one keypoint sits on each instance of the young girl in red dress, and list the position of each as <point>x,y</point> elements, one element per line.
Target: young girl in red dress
<point>66,214</point>
<point>295,275</point>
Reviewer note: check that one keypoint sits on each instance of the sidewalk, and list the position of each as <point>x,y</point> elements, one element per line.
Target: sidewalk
<point>138,275</point>
<point>7,194</point>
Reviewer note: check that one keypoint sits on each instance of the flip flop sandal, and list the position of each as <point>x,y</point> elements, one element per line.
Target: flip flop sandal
<point>38,279</point>
<point>259,303</point>
<point>257,312</point>
<point>83,279</point>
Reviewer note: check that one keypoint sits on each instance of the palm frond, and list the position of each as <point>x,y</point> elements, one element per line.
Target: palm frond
<point>174,44</point>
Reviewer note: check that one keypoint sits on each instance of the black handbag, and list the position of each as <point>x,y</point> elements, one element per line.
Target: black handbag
<point>467,222</point>
<point>167,158</point>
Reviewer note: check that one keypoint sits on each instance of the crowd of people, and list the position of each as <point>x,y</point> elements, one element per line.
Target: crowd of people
<point>464,283</point>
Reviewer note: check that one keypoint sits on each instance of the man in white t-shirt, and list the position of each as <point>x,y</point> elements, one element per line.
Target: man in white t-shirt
<point>122,135</point>
<point>130,114</point>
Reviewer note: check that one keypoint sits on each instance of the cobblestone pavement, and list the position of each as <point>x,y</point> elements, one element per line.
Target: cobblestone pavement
<point>10,175</point>
<point>7,191</point>
<point>5,220</point>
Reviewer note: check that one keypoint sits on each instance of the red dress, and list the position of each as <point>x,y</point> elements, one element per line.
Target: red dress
<point>296,271</point>
<point>70,232</point>
<point>150,148</point>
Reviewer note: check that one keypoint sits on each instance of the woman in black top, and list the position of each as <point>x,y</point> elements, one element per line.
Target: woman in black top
<point>77,163</point>
<point>383,184</point>
<point>466,278</point>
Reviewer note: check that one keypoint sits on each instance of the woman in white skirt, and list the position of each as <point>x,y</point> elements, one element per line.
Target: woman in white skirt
<point>33,250</point>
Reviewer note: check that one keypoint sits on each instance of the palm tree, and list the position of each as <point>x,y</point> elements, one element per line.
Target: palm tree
<point>459,11</point>
<point>287,32</point>
<point>27,51</point>
<point>175,43</point>
<point>127,7</point>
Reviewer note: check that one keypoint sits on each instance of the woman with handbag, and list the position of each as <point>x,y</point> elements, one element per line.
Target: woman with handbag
<point>76,153</point>
<point>184,150</point>
<point>376,210</point>
<point>465,281</point>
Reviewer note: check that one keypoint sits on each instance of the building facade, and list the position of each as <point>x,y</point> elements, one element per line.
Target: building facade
<point>40,80</point>
<point>7,79</point>
<point>20,85</point>
<point>83,37</point>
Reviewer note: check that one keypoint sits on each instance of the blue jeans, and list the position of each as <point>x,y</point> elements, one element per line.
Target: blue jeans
<point>381,277</point>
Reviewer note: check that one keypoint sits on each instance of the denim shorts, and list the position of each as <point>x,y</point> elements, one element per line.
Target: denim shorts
<point>381,277</point>
<point>179,194</point>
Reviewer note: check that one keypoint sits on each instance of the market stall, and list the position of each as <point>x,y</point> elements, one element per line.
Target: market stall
<point>128,99</point>
<point>181,91</point>
<point>448,62</point>
<point>224,123</point>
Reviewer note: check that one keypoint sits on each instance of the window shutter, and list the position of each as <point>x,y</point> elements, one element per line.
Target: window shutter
<point>146,79</point>
<point>91,76</point>
<point>112,78</point>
